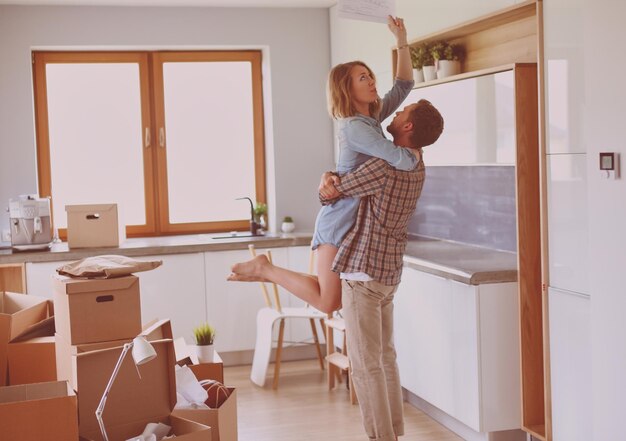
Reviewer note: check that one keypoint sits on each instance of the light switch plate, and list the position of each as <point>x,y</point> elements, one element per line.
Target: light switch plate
<point>6,236</point>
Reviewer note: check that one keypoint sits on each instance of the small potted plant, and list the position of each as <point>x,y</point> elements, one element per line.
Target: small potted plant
<point>287,226</point>
<point>418,54</point>
<point>428,62</point>
<point>450,61</point>
<point>204,336</point>
<point>260,212</point>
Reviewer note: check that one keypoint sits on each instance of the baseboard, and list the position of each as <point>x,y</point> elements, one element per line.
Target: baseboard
<point>292,353</point>
<point>464,431</point>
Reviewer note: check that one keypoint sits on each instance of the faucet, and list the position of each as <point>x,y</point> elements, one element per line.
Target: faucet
<point>254,226</point>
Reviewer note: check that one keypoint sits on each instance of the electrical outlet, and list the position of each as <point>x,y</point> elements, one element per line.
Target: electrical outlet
<point>6,235</point>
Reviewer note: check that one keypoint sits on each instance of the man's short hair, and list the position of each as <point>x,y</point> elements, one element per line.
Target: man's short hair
<point>427,124</point>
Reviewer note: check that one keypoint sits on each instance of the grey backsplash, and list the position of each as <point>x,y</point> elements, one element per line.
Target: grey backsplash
<point>470,204</point>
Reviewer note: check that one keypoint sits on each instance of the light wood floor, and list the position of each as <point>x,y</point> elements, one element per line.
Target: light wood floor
<point>302,409</point>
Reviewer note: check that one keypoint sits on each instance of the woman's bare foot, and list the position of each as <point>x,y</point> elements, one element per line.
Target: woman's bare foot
<point>232,277</point>
<point>252,268</point>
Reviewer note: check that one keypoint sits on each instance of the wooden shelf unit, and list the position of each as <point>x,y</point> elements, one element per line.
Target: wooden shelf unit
<point>511,39</point>
<point>504,37</point>
<point>13,277</point>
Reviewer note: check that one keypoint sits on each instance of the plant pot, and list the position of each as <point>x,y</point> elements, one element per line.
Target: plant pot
<point>204,353</point>
<point>287,227</point>
<point>447,68</point>
<point>430,73</point>
<point>418,75</point>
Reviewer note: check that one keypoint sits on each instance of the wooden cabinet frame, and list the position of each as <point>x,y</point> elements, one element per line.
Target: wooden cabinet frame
<point>512,39</point>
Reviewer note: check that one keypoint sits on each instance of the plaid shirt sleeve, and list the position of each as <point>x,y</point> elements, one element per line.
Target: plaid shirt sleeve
<point>368,179</point>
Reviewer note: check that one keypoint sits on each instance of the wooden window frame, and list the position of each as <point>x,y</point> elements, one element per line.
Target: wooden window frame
<point>153,119</point>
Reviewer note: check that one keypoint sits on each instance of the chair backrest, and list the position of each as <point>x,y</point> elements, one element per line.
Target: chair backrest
<point>268,302</point>
<point>277,306</point>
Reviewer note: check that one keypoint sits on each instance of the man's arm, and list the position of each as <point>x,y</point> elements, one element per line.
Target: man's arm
<point>364,181</point>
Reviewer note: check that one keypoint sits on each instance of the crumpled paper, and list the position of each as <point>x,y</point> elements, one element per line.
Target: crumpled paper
<point>154,432</point>
<point>189,391</point>
<point>106,266</point>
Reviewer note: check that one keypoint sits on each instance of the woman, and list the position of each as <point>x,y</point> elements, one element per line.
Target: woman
<point>355,105</point>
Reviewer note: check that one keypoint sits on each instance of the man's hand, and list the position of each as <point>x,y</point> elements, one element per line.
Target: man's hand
<point>327,188</point>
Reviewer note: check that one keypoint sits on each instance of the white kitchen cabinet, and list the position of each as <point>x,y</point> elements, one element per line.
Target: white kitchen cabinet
<point>570,365</point>
<point>231,307</point>
<point>175,290</point>
<point>458,348</point>
<point>39,277</point>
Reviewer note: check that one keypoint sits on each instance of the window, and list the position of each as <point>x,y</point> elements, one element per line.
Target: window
<point>172,137</point>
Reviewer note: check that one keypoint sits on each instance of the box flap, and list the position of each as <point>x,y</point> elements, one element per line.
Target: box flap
<point>21,312</point>
<point>148,398</point>
<point>89,208</point>
<point>157,330</point>
<point>37,391</point>
<point>44,328</point>
<point>71,285</point>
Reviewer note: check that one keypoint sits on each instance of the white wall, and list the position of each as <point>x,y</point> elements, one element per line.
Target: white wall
<point>605,96</point>
<point>298,129</point>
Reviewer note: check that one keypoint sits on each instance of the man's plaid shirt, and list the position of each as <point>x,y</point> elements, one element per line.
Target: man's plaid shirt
<point>376,243</point>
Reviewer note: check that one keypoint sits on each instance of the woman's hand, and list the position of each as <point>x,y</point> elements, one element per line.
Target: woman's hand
<point>327,188</point>
<point>396,26</point>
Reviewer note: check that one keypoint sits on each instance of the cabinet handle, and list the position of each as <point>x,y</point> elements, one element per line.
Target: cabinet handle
<point>162,137</point>
<point>147,138</point>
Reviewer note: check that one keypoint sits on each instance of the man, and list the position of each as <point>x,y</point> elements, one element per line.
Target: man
<point>370,262</point>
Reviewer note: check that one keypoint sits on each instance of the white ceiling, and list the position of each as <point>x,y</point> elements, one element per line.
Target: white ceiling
<point>209,3</point>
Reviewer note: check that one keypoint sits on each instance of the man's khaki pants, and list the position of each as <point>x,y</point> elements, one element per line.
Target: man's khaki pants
<point>368,314</point>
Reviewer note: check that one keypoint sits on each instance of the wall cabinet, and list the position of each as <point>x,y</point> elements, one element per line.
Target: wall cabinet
<point>570,364</point>
<point>458,348</point>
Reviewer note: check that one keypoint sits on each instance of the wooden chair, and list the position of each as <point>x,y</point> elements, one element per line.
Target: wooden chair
<point>338,361</point>
<point>265,320</point>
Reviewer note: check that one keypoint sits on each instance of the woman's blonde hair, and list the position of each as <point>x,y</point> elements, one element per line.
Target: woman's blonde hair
<point>340,91</point>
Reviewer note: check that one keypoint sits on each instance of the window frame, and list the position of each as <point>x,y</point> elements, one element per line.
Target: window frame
<point>153,119</point>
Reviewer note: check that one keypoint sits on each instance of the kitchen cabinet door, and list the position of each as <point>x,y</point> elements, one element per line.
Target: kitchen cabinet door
<point>175,290</point>
<point>39,277</point>
<point>231,307</point>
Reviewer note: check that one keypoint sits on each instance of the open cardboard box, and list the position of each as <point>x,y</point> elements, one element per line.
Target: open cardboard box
<point>32,361</point>
<point>19,314</point>
<point>185,356</point>
<point>133,402</point>
<point>36,412</point>
<point>94,225</point>
<point>223,421</point>
<point>97,310</point>
<point>67,361</point>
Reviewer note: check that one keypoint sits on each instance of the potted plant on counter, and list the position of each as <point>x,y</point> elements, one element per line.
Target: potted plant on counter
<point>287,226</point>
<point>204,336</point>
<point>260,212</point>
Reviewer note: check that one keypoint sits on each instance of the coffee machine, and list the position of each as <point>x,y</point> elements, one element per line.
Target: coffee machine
<point>29,218</point>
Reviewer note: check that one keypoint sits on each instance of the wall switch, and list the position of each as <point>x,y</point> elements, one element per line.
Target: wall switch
<point>6,236</point>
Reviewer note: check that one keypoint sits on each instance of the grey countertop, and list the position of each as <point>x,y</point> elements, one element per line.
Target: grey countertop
<point>464,263</point>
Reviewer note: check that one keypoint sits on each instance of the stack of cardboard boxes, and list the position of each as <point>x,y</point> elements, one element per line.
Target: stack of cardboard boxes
<point>94,318</point>
<point>32,412</point>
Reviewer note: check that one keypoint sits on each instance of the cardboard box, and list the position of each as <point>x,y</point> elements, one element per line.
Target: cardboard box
<point>68,363</point>
<point>97,310</point>
<point>19,314</point>
<point>94,226</point>
<point>185,357</point>
<point>35,412</point>
<point>223,421</point>
<point>133,402</point>
<point>32,361</point>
